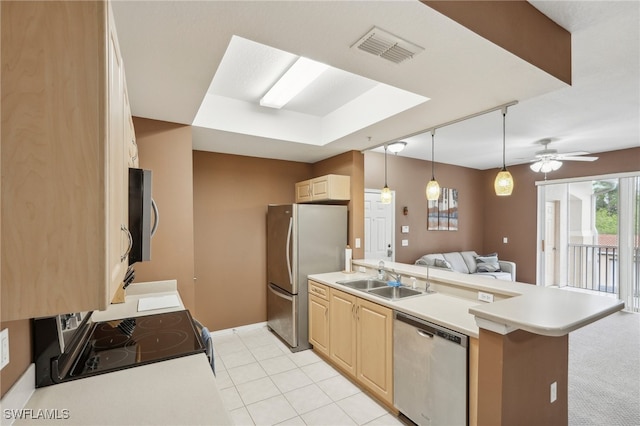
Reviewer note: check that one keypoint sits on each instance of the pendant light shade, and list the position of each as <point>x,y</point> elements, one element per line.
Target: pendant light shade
<point>385,194</point>
<point>503,184</point>
<point>433,188</point>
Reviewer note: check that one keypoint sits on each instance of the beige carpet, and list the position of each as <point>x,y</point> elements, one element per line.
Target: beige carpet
<point>604,372</point>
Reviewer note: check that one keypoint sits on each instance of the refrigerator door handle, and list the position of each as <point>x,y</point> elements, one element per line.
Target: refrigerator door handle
<point>275,290</point>
<point>289,234</point>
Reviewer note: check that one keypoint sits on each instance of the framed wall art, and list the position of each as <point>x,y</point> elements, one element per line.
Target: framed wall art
<point>442,214</point>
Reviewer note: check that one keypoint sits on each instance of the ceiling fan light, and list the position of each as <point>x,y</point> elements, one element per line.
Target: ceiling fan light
<point>536,167</point>
<point>555,164</point>
<point>433,190</point>
<point>503,184</point>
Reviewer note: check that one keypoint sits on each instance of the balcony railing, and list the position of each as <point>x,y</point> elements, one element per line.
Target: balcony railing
<point>593,267</point>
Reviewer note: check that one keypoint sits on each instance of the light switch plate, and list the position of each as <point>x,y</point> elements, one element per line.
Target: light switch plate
<point>358,243</point>
<point>405,243</point>
<point>405,229</point>
<point>4,348</point>
<point>553,392</point>
<point>505,240</point>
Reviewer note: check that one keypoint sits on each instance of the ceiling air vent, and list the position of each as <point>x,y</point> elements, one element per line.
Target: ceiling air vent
<point>385,45</point>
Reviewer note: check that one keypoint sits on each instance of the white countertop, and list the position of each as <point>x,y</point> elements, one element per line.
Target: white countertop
<point>539,310</point>
<point>179,391</point>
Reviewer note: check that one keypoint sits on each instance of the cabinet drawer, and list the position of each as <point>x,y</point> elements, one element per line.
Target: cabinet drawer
<point>319,290</point>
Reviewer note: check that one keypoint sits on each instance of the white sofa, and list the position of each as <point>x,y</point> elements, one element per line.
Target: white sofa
<point>469,262</point>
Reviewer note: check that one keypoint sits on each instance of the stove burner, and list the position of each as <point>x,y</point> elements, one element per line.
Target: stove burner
<point>159,321</point>
<point>155,337</point>
<point>157,341</point>
<point>117,340</point>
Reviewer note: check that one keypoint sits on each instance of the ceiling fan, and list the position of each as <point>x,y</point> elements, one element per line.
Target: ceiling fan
<point>549,159</point>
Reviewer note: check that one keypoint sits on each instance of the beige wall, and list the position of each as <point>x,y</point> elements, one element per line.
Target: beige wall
<point>351,164</point>
<point>408,178</point>
<point>165,149</point>
<point>19,353</point>
<point>231,194</point>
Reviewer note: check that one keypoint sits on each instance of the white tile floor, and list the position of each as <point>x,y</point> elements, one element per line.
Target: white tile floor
<point>263,383</point>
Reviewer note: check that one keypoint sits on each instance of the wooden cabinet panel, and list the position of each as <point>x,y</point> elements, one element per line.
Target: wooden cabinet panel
<point>375,348</point>
<point>319,317</point>
<point>61,199</point>
<point>324,188</point>
<point>319,324</point>
<point>342,327</point>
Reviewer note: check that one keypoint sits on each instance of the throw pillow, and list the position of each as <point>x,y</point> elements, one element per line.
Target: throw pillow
<point>441,263</point>
<point>488,263</point>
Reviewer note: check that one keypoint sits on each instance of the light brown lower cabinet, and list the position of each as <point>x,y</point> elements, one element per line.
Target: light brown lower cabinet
<point>360,338</point>
<point>319,317</point>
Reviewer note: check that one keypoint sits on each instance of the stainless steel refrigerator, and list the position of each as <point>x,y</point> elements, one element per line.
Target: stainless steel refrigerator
<point>302,239</point>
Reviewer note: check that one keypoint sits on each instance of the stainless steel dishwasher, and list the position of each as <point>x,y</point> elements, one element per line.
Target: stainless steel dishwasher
<point>430,372</point>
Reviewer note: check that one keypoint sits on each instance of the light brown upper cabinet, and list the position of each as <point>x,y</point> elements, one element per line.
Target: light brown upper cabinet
<point>64,174</point>
<point>324,188</point>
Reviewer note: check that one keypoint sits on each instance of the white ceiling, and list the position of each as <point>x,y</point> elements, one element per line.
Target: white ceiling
<point>173,50</point>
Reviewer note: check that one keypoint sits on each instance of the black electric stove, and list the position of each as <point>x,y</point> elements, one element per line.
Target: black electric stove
<point>108,346</point>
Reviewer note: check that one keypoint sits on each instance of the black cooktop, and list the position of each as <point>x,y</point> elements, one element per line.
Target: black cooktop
<point>119,344</point>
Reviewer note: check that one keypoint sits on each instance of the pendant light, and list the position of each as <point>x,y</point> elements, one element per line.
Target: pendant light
<point>433,188</point>
<point>385,195</point>
<point>503,184</point>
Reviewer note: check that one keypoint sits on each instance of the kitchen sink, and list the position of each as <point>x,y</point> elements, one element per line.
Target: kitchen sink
<point>363,284</point>
<point>395,293</point>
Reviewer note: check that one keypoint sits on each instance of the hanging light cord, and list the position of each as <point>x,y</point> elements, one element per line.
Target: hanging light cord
<point>433,175</point>
<point>504,119</point>
<point>385,165</point>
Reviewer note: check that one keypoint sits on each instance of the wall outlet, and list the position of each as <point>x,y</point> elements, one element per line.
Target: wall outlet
<point>405,229</point>
<point>358,244</point>
<point>405,243</point>
<point>4,348</point>
<point>362,269</point>
<point>505,240</point>
<point>553,392</point>
<point>485,297</point>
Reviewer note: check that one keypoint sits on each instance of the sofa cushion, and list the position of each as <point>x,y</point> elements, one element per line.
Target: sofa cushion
<point>429,259</point>
<point>457,262</point>
<point>441,263</point>
<point>470,259</point>
<point>488,263</point>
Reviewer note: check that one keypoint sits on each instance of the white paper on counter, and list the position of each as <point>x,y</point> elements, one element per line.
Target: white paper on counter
<point>158,302</point>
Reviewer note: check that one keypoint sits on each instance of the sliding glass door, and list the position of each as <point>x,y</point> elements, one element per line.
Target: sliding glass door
<point>588,233</point>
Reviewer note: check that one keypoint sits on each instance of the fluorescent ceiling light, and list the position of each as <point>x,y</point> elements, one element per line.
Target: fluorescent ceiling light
<point>299,76</point>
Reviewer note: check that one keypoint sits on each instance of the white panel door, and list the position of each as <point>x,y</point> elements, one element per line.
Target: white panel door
<point>378,228</point>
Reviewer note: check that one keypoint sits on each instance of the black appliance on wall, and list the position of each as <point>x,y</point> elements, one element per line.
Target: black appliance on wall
<point>140,206</point>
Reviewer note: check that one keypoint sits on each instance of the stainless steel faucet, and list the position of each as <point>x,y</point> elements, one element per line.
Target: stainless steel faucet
<point>395,275</point>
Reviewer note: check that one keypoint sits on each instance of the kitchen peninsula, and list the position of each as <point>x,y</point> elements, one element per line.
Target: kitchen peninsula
<point>518,347</point>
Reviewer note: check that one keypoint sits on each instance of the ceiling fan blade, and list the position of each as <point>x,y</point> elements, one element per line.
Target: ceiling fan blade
<point>563,158</point>
<point>572,154</point>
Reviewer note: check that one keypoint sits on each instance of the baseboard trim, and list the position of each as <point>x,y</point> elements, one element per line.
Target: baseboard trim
<point>234,330</point>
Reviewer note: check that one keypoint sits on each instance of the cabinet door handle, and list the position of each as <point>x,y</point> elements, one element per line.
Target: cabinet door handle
<point>129,246</point>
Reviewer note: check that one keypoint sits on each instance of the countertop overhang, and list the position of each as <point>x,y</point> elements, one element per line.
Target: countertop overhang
<point>539,310</point>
